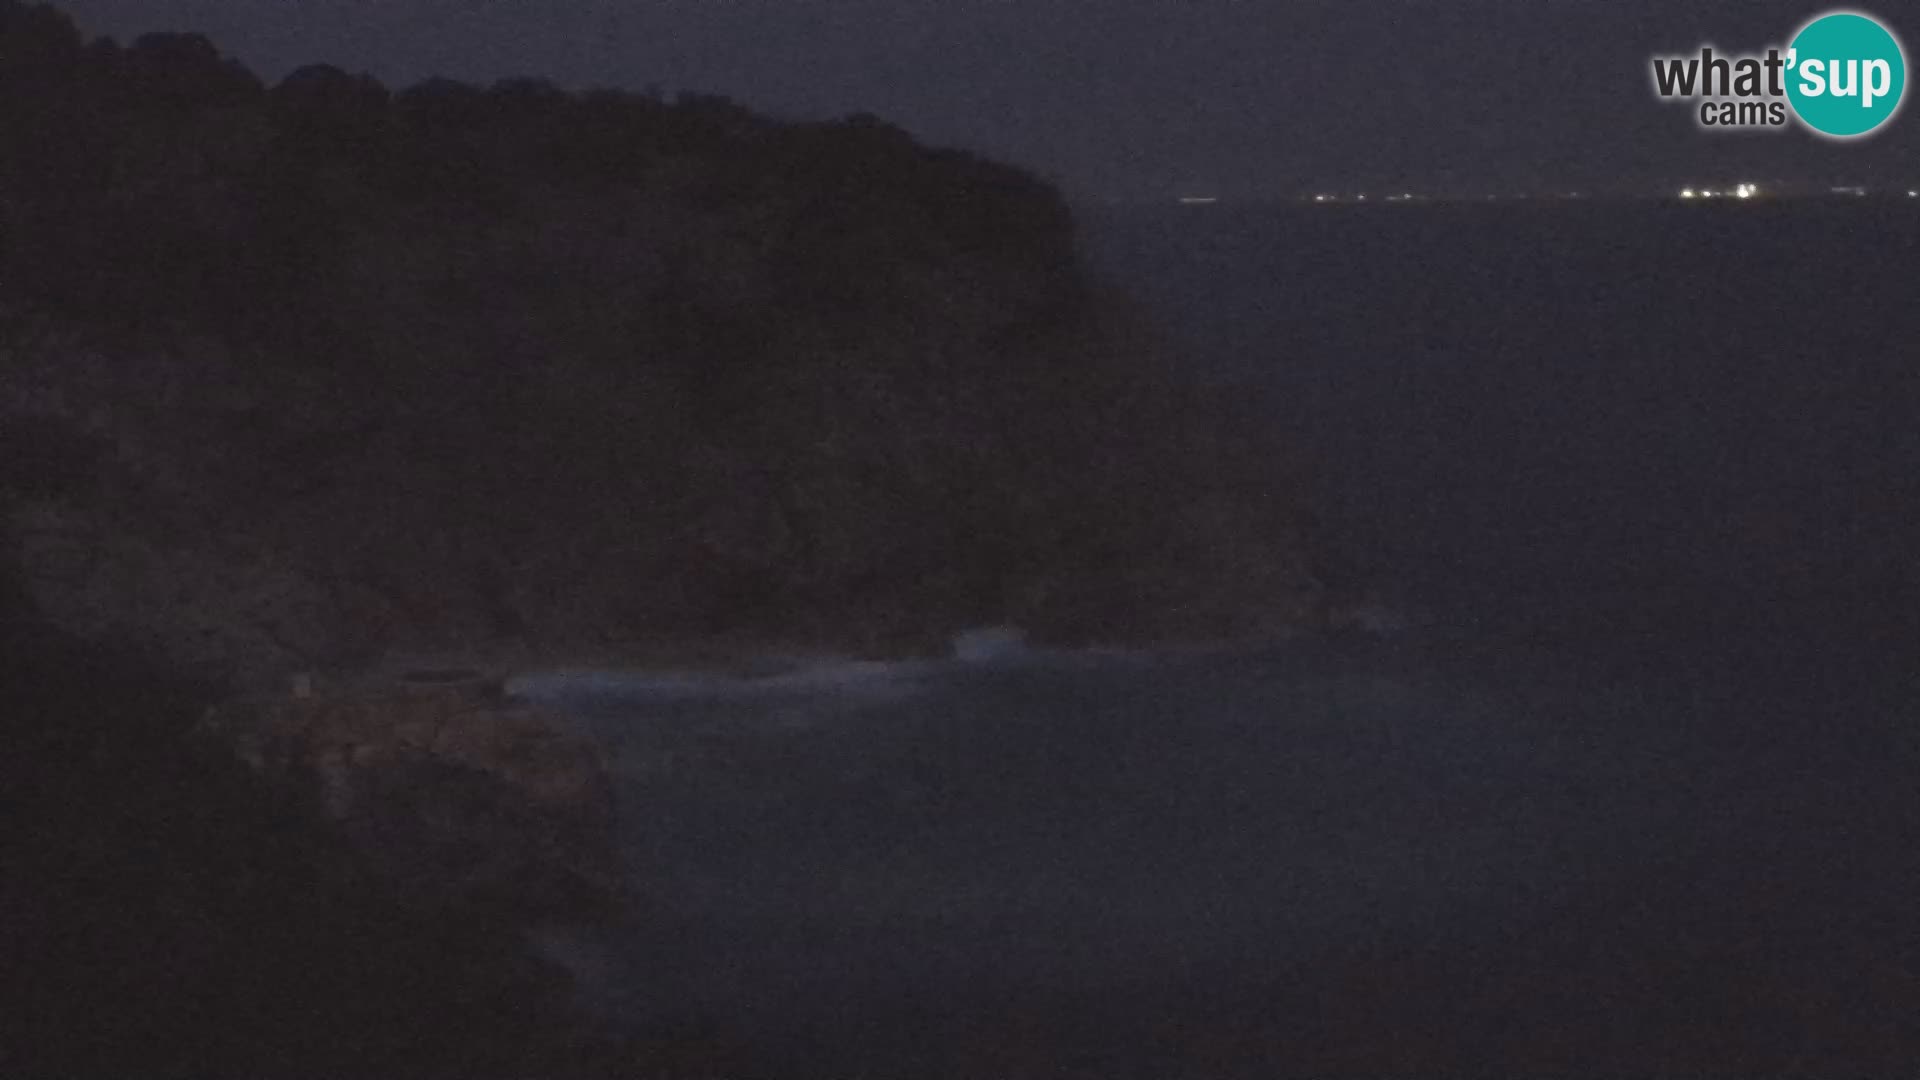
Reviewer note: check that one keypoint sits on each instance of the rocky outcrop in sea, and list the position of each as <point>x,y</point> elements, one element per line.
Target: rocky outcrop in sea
<point>457,793</point>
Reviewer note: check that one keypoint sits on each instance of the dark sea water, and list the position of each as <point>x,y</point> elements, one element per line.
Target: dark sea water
<point>1680,411</point>
<point>1643,797</point>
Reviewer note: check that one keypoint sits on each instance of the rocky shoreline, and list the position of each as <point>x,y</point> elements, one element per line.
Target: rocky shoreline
<point>315,398</point>
<point>456,793</point>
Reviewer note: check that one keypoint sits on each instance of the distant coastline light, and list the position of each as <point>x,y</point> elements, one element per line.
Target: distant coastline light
<point>1686,193</point>
<point>1746,191</point>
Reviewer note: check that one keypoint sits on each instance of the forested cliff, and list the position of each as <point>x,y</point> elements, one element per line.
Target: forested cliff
<point>351,371</point>
<point>304,377</point>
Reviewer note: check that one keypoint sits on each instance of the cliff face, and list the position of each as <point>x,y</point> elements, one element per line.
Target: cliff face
<point>453,792</point>
<point>164,915</point>
<point>300,378</point>
<point>346,372</point>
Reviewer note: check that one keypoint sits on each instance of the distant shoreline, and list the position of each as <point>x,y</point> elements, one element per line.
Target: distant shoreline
<point>1894,195</point>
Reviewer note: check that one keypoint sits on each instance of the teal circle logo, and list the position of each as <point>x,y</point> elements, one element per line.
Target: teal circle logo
<point>1846,75</point>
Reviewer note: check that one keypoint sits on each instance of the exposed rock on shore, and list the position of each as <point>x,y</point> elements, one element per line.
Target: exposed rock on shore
<point>301,379</point>
<point>457,793</point>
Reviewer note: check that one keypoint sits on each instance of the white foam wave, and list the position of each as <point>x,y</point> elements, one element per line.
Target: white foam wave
<point>990,644</point>
<point>838,677</point>
<point>775,679</point>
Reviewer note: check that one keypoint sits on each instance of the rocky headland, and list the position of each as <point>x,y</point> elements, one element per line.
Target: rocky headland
<point>299,379</point>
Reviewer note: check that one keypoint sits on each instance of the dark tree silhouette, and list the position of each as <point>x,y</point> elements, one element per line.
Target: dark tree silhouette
<point>182,72</point>
<point>322,104</point>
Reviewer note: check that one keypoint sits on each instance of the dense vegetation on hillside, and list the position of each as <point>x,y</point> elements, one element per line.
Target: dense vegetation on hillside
<point>301,376</point>
<point>452,365</point>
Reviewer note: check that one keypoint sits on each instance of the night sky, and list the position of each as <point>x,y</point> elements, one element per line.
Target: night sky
<point>1133,98</point>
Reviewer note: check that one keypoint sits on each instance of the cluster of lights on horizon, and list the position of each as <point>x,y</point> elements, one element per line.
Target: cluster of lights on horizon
<point>1362,197</point>
<point>1740,191</point>
<point>1748,191</point>
<point>1744,190</point>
